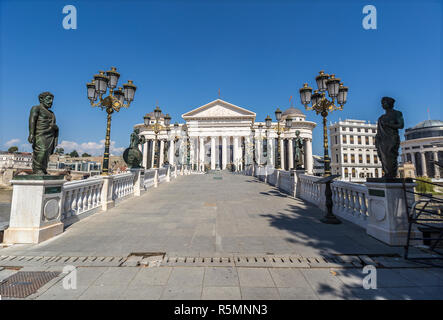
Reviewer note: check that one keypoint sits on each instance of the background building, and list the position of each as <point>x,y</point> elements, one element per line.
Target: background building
<point>220,134</point>
<point>13,163</point>
<point>422,146</point>
<point>319,166</point>
<point>353,152</point>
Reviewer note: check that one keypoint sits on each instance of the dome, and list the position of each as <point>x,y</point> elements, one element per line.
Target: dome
<point>429,123</point>
<point>151,114</point>
<point>293,112</point>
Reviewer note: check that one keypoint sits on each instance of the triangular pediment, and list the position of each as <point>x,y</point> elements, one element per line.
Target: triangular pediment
<point>219,109</point>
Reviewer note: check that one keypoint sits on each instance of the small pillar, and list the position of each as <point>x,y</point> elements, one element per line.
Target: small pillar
<point>156,178</point>
<point>387,220</point>
<point>296,175</point>
<point>139,178</point>
<point>35,209</point>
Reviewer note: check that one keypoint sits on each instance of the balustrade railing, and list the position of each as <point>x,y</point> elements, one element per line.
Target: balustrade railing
<point>81,196</point>
<point>123,185</point>
<point>350,201</point>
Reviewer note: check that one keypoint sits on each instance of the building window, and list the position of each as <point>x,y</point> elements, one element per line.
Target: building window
<point>360,158</point>
<point>359,139</point>
<point>336,140</point>
<point>376,173</point>
<point>344,139</point>
<point>346,172</point>
<point>366,129</point>
<point>336,158</point>
<point>368,158</point>
<point>375,159</point>
<point>345,158</point>
<point>351,129</point>
<point>353,172</point>
<point>352,158</point>
<point>367,141</point>
<point>352,139</point>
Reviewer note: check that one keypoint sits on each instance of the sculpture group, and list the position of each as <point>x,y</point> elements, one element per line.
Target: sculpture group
<point>43,135</point>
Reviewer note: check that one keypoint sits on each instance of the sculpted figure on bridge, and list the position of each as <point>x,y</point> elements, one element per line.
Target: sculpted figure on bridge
<point>298,141</point>
<point>387,139</point>
<point>132,155</point>
<point>43,133</point>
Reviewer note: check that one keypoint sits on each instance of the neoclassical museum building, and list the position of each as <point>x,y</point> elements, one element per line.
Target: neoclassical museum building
<point>423,145</point>
<point>220,135</point>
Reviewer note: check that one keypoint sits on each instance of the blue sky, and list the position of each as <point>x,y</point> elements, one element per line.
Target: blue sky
<point>180,53</point>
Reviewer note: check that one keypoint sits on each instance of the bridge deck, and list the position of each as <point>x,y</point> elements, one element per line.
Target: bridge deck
<point>209,214</point>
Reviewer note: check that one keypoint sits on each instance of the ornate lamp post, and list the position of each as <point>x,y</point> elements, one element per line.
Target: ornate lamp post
<point>321,105</point>
<point>157,127</point>
<point>253,143</point>
<point>279,130</point>
<point>116,100</point>
<point>188,150</point>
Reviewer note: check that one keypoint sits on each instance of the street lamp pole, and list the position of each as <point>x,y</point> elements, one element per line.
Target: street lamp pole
<point>156,128</point>
<point>116,100</point>
<point>321,105</point>
<point>279,130</point>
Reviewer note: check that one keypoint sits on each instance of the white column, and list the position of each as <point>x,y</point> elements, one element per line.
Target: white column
<point>270,151</point>
<point>162,148</point>
<point>171,152</point>
<point>235,148</point>
<point>423,163</point>
<point>212,153</point>
<point>309,165</point>
<point>436,168</point>
<point>202,154</point>
<point>145,154</point>
<point>224,152</point>
<point>290,154</point>
<point>240,154</point>
<point>282,153</point>
<point>248,150</point>
<point>258,150</point>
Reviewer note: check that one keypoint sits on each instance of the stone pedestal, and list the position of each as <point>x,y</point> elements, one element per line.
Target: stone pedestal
<point>139,178</point>
<point>168,174</point>
<point>106,196</point>
<point>296,174</point>
<point>35,209</point>
<point>387,219</point>
<point>156,178</point>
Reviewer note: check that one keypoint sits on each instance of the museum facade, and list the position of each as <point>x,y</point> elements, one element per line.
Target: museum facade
<point>221,135</point>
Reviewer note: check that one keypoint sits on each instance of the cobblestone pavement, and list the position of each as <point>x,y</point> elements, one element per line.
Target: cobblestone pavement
<point>219,239</point>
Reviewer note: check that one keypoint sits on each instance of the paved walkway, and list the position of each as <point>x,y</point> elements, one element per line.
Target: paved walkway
<point>221,215</point>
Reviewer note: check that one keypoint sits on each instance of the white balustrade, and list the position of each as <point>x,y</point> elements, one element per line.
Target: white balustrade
<point>350,201</point>
<point>81,196</point>
<point>123,185</point>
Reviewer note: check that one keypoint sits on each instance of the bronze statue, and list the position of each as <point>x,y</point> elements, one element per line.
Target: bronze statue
<point>132,155</point>
<point>298,141</point>
<point>387,139</point>
<point>43,133</point>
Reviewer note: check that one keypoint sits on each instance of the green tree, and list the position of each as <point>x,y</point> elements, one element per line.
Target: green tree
<point>59,150</point>
<point>85,155</point>
<point>424,187</point>
<point>74,154</point>
<point>13,149</point>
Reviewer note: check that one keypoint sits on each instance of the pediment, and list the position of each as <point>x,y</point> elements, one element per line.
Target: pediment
<point>218,109</point>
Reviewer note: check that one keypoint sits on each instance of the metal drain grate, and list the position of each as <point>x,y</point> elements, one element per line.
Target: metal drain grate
<point>23,284</point>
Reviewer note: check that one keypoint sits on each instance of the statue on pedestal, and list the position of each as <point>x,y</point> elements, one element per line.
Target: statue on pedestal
<point>387,139</point>
<point>299,152</point>
<point>43,133</point>
<point>132,155</point>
